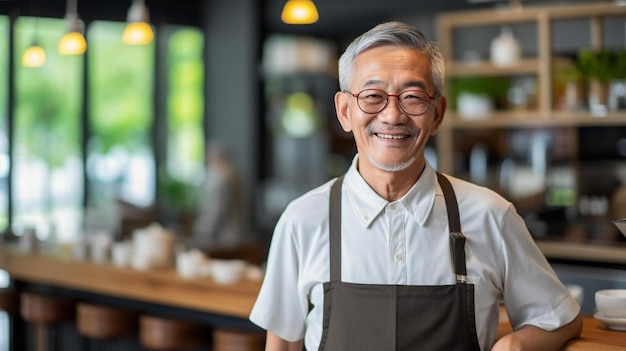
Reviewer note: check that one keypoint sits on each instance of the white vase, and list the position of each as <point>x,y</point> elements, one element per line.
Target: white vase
<point>505,49</point>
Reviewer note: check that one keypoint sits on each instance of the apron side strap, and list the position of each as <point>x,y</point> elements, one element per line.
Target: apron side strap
<point>456,236</point>
<point>334,223</point>
<point>458,253</point>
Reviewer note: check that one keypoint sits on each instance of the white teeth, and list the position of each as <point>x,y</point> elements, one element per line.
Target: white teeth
<point>387,136</point>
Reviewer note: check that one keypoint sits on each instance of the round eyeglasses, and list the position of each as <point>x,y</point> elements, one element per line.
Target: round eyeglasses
<point>411,102</point>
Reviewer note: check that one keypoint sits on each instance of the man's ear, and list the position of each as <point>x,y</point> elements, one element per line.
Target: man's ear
<point>342,104</point>
<point>440,111</point>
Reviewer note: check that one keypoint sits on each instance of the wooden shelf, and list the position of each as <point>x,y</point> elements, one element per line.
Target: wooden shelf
<point>531,14</point>
<point>534,119</point>
<point>485,68</point>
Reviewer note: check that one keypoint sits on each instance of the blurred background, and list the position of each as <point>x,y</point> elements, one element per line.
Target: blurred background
<point>116,137</point>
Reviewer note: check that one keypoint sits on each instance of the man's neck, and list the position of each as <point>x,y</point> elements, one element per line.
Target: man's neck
<point>391,185</point>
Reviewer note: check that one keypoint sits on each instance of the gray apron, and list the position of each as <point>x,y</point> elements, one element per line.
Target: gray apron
<point>380,317</point>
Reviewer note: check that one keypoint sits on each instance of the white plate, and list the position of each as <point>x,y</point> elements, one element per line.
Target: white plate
<point>612,323</point>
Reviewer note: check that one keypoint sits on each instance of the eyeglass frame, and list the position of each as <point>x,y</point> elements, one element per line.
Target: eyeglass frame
<point>397,96</point>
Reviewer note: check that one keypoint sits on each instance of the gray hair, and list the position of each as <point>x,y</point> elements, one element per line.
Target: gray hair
<point>392,33</point>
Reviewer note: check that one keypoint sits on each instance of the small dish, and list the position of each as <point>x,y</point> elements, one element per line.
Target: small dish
<point>612,323</point>
<point>621,225</point>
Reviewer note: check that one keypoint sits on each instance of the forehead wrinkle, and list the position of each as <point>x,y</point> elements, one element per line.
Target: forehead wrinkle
<point>371,82</point>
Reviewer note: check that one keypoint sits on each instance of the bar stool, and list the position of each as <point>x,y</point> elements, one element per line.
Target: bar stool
<point>45,311</point>
<point>10,303</point>
<point>105,323</point>
<point>227,339</point>
<point>160,333</point>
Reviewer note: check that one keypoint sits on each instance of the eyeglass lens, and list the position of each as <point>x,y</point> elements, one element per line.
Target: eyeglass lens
<point>412,102</point>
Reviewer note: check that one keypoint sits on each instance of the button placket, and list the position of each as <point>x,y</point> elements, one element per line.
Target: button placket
<point>397,264</point>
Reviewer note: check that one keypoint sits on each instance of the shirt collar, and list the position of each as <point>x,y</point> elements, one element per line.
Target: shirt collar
<point>368,205</point>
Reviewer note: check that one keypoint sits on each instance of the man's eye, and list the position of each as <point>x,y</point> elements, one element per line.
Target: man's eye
<point>415,98</point>
<point>373,97</point>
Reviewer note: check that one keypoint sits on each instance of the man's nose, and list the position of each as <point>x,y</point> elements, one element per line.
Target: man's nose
<point>393,113</point>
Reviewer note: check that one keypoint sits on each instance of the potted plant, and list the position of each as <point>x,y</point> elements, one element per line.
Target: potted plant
<point>598,68</point>
<point>477,97</point>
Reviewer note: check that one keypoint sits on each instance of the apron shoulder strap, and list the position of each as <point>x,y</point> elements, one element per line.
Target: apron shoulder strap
<point>335,230</point>
<point>456,235</point>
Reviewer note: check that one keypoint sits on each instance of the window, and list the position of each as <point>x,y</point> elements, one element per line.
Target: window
<point>120,154</point>
<point>64,143</point>
<point>185,108</point>
<point>47,164</point>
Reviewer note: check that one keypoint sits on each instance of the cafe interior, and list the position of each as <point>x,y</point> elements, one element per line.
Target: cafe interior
<point>148,147</point>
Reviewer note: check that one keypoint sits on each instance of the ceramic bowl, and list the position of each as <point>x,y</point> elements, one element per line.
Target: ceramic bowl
<point>611,303</point>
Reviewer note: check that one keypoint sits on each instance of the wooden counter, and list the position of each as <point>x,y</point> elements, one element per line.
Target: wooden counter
<point>595,336</point>
<point>162,286</point>
<point>202,294</point>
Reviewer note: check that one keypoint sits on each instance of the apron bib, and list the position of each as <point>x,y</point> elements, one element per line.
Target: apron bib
<point>377,317</point>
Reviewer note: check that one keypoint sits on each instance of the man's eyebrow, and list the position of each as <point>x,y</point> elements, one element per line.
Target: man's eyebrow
<point>415,84</point>
<point>410,84</point>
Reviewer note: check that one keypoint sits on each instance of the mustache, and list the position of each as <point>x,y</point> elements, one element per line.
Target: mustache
<point>371,129</point>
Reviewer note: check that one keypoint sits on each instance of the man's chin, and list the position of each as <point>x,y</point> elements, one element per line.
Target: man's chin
<point>393,166</point>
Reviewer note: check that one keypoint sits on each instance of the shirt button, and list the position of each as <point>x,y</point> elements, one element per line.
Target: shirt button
<point>393,206</point>
<point>398,257</point>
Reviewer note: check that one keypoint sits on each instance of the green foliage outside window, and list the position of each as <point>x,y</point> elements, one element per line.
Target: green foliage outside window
<point>122,78</point>
<point>180,183</point>
<point>48,97</point>
<point>46,159</point>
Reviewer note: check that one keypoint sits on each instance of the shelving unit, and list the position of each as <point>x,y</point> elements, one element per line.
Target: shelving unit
<point>541,67</point>
<point>457,134</point>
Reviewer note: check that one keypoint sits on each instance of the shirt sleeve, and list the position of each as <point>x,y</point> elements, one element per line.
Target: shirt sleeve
<point>279,307</point>
<point>532,292</point>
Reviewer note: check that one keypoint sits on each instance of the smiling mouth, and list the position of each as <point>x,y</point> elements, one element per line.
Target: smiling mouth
<point>392,136</point>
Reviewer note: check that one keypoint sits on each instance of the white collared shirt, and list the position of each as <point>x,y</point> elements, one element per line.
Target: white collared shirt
<point>407,242</point>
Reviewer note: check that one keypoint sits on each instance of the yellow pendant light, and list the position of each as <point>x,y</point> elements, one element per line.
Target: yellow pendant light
<point>73,42</point>
<point>138,31</point>
<point>34,56</point>
<point>299,12</point>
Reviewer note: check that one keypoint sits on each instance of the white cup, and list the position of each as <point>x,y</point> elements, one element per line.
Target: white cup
<point>121,253</point>
<point>611,303</point>
<point>227,271</point>
<point>188,263</point>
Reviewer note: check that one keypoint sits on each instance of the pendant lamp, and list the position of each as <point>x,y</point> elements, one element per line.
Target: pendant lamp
<point>73,42</point>
<point>138,31</point>
<point>299,12</point>
<point>34,56</point>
